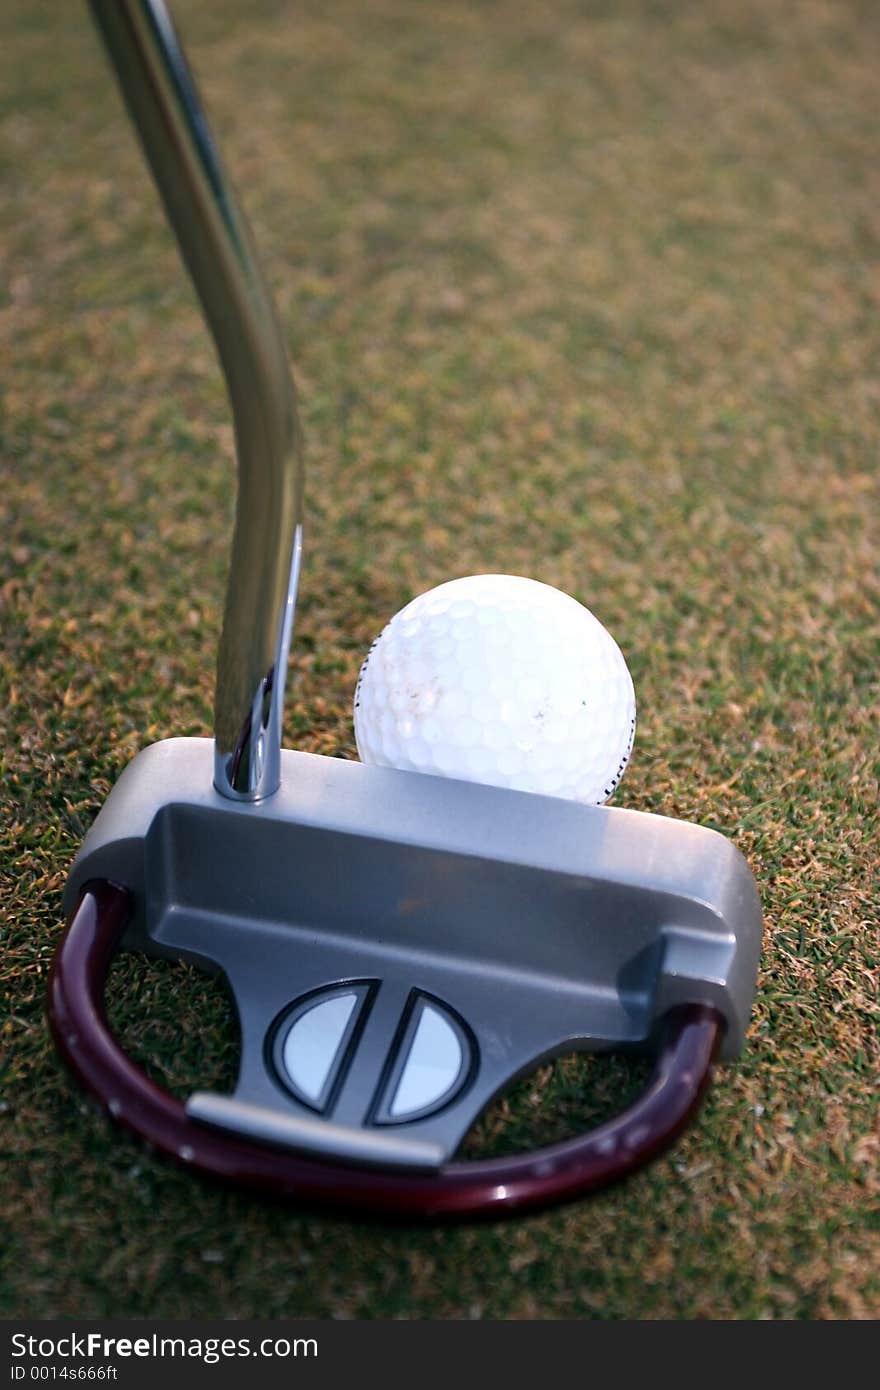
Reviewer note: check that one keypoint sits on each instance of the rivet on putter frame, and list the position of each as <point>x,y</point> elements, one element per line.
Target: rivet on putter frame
<point>399,947</point>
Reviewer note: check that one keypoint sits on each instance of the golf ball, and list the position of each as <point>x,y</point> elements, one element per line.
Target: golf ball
<point>500,679</point>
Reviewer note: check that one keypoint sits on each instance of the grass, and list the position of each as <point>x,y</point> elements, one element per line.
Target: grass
<point>581,291</point>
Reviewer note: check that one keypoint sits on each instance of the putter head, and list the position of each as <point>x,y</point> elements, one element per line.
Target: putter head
<point>400,947</point>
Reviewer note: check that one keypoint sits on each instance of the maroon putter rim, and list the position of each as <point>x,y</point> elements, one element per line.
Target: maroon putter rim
<point>484,1187</point>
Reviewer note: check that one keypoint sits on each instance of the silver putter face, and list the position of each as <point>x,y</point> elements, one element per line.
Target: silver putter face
<point>400,947</point>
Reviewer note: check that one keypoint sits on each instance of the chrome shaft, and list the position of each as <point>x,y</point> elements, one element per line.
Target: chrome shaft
<point>217,249</point>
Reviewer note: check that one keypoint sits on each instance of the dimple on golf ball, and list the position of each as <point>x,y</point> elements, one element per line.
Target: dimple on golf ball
<point>499,679</point>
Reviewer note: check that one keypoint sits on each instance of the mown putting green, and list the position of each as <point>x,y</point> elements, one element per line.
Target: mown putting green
<point>580,292</point>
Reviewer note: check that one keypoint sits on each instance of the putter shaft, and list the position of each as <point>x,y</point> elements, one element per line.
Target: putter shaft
<point>218,251</point>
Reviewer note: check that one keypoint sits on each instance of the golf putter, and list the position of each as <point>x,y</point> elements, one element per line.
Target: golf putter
<point>399,947</point>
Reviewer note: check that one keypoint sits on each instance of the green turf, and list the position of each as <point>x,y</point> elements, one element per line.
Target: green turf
<point>582,291</point>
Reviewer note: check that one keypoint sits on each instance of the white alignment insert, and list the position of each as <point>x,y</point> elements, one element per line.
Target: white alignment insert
<point>432,1066</point>
<point>313,1041</point>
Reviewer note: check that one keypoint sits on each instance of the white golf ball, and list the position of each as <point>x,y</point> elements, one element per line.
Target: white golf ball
<point>499,679</point>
